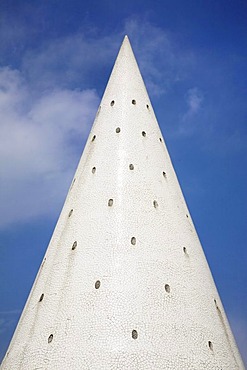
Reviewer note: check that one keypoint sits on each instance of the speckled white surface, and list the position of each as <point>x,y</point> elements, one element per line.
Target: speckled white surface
<point>160,286</point>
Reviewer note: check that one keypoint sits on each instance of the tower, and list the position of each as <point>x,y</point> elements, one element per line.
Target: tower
<point>124,283</point>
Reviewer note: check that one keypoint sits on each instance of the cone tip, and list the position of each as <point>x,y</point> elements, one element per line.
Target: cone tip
<point>126,41</point>
<point>126,38</point>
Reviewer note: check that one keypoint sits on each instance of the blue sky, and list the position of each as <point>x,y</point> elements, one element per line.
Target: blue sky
<point>55,60</point>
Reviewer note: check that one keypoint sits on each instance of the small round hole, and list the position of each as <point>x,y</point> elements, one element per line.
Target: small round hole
<point>112,103</point>
<point>118,130</point>
<point>167,288</point>
<point>164,173</point>
<point>185,250</point>
<point>93,169</point>
<point>133,102</point>
<point>160,140</point>
<point>72,184</point>
<point>98,111</point>
<point>187,216</point>
<point>210,344</point>
<point>74,246</point>
<point>134,334</point>
<point>110,202</point>
<point>41,297</point>
<point>216,304</point>
<point>50,338</point>
<point>131,166</point>
<point>94,137</point>
<point>143,133</point>
<point>70,212</point>
<point>147,106</point>
<point>133,240</point>
<point>155,203</point>
<point>97,284</point>
<point>43,262</point>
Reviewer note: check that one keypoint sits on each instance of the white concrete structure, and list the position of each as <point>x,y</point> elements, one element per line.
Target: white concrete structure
<point>124,283</point>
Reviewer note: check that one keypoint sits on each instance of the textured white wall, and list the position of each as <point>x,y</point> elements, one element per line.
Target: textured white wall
<point>124,283</point>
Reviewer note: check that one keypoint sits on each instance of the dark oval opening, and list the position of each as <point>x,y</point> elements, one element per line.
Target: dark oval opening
<point>167,288</point>
<point>155,203</point>
<point>110,202</point>
<point>97,284</point>
<point>210,344</point>
<point>74,246</point>
<point>133,240</point>
<point>134,334</point>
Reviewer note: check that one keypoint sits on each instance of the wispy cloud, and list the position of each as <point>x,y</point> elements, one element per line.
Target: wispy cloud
<point>68,62</point>
<point>8,320</point>
<point>11,312</point>
<point>194,99</point>
<point>161,62</point>
<point>75,60</point>
<point>38,144</point>
<point>48,103</point>
<point>190,121</point>
<point>47,106</point>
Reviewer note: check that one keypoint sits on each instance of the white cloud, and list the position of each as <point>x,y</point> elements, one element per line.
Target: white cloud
<point>43,113</point>
<point>38,145</point>
<point>160,62</point>
<point>5,324</point>
<point>68,61</point>
<point>194,99</point>
<point>8,321</point>
<point>74,60</point>
<point>188,122</point>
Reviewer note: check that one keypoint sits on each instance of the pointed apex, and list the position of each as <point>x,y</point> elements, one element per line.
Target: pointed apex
<point>125,42</point>
<point>125,83</point>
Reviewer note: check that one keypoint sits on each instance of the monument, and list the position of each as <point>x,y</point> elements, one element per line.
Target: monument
<point>124,283</point>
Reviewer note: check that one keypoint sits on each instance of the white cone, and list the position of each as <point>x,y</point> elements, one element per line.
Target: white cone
<point>124,283</point>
